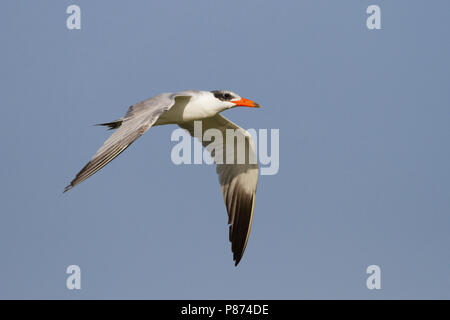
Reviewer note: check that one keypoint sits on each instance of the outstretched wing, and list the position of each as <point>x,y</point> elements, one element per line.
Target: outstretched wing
<point>138,119</point>
<point>238,179</point>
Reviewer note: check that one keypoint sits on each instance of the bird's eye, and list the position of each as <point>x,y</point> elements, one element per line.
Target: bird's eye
<point>224,96</point>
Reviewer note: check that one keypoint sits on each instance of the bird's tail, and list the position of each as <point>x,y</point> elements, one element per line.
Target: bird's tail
<point>112,125</point>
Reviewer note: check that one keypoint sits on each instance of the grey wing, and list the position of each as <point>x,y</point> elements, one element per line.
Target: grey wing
<point>138,119</point>
<point>238,180</point>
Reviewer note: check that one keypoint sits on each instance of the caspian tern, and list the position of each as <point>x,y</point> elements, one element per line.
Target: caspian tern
<point>238,180</point>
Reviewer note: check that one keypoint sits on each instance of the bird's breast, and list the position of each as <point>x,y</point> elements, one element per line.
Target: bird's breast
<point>183,112</point>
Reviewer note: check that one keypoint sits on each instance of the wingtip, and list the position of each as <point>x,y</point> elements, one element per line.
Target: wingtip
<point>67,188</point>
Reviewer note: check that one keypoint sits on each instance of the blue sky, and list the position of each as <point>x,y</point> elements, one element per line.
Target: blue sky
<point>364,160</point>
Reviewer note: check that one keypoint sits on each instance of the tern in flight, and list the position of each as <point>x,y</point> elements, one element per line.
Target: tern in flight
<point>238,179</point>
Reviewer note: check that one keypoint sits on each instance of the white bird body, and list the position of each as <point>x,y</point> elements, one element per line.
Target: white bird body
<point>238,180</point>
<point>195,107</point>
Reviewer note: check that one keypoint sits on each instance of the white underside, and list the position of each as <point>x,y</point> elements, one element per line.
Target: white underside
<point>188,109</point>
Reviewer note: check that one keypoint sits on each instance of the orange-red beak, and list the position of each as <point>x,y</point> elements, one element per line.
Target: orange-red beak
<point>246,103</point>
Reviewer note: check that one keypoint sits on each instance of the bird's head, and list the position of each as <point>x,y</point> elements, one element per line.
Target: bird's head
<point>228,99</point>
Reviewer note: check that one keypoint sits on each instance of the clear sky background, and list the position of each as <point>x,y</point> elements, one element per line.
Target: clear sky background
<point>364,149</point>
